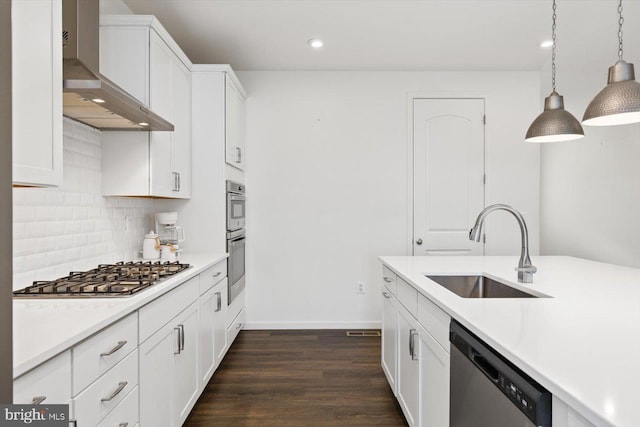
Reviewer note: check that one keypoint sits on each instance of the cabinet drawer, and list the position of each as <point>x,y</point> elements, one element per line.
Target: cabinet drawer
<point>104,395</point>
<point>234,308</point>
<point>156,314</point>
<point>125,414</point>
<point>103,351</point>
<point>390,280</point>
<point>236,326</point>
<point>51,380</point>
<point>213,275</point>
<point>408,296</point>
<point>434,320</point>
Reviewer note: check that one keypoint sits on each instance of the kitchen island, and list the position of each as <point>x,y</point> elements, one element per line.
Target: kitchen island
<point>582,342</point>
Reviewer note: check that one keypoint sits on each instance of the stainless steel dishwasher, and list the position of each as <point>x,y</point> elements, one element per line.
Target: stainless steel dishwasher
<point>489,391</point>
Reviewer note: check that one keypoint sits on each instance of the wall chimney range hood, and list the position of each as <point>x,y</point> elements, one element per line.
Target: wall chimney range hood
<point>88,96</point>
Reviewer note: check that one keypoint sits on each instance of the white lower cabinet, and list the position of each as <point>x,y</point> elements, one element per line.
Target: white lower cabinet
<point>48,383</point>
<point>169,380</point>
<point>565,416</point>
<point>389,337</point>
<point>213,337</point>
<point>434,381</point>
<point>415,355</point>
<point>408,384</point>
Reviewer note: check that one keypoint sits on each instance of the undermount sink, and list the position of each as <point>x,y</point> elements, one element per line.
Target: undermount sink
<point>479,287</point>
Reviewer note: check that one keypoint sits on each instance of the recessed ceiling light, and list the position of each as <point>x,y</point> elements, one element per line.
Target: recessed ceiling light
<point>316,43</point>
<point>546,43</point>
<point>143,124</point>
<point>98,100</point>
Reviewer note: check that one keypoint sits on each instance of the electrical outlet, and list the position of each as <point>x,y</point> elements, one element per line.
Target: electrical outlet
<point>360,288</point>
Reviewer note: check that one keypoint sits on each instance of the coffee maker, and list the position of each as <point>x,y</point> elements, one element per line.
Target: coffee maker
<point>170,235</point>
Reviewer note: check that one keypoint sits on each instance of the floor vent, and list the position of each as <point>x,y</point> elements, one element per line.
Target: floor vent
<point>367,333</point>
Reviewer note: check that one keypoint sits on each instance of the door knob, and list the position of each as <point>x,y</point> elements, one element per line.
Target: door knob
<point>419,242</point>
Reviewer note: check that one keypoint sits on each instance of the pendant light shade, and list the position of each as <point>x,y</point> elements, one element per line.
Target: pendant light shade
<point>619,102</point>
<point>555,123</point>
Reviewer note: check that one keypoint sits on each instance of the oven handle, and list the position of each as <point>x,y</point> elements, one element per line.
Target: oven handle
<point>237,197</point>
<point>236,241</point>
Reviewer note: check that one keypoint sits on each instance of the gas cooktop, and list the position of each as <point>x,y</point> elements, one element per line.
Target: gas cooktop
<point>108,280</point>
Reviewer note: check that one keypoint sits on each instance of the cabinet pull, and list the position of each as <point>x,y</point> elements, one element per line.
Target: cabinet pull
<point>179,182</point>
<point>238,155</point>
<point>123,425</point>
<point>74,423</point>
<point>239,326</point>
<point>412,343</point>
<point>179,341</point>
<point>386,279</point>
<point>219,303</point>
<point>216,274</point>
<point>175,181</point>
<point>386,295</point>
<point>121,386</point>
<point>181,337</point>
<point>114,349</point>
<point>38,400</point>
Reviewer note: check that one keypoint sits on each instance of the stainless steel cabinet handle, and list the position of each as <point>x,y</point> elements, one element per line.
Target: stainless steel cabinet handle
<point>175,181</point>
<point>219,303</point>
<point>38,400</point>
<point>181,337</point>
<point>419,242</point>
<point>388,280</point>
<point>386,295</point>
<point>121,386</point>
<point>179,182</point>
<point>114,349</point>
<point>238,155</point>
<point>179,341</point>
<point>216,274</point>
<point>74,423</point>
<point>239,326</point>
<point>123,425</point>
<point>412,343</point>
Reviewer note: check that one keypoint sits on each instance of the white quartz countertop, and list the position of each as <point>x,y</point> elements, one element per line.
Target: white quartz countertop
<point>583,344</point>
<point>43,328</point>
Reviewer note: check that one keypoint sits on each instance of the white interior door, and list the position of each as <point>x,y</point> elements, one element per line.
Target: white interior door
<point>448,175</point>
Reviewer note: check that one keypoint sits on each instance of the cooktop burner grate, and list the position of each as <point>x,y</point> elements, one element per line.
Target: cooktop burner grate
<point>108,280</point>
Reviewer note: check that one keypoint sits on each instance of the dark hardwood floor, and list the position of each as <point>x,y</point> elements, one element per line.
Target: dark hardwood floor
<point>299,378</point>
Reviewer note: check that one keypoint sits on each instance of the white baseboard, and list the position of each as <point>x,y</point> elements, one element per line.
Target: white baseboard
<point>312,325</point>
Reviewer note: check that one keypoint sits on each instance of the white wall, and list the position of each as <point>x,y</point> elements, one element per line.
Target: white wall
<point>74,228</point>
<point>114,7</point>
<point>590,201</point>
<point>327,184</point>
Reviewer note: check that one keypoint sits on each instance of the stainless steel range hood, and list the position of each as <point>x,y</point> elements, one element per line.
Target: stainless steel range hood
<point>89,97</point>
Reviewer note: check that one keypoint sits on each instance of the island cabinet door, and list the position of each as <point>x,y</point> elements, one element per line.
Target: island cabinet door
<point>408,366</point>
<point>389,337</point>
<point>434,381</point>
<point>156,365</point>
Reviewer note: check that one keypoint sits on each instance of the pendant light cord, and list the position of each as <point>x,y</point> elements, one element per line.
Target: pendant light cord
<point>620,22</point>
<point>553,48</point>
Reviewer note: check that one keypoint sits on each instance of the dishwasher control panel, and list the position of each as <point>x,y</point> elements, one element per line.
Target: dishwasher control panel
<point>526,403</point>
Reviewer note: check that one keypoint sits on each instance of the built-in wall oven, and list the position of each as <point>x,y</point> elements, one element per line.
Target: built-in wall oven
<point>236,238</point>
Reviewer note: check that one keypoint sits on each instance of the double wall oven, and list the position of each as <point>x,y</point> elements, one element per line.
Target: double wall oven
<point>236,210</point>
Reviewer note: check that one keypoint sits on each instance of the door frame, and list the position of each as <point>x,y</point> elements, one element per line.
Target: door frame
<point>411,97</point>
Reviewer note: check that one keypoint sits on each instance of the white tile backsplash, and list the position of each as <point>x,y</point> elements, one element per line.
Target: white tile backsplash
<point>74,227</point>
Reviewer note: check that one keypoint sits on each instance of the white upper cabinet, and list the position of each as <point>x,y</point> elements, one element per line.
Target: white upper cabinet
<point>139,55</point>
<point>37,92</point>
<point>234,124</point>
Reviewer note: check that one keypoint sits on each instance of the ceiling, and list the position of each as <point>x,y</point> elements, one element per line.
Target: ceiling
<point>396,34</point>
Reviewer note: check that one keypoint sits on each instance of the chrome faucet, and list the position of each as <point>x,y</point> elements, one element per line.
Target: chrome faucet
<point>525,269</point>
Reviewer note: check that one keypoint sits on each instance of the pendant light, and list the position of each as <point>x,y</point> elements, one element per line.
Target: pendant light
<point>554,123</point>
<point>619,102</point>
